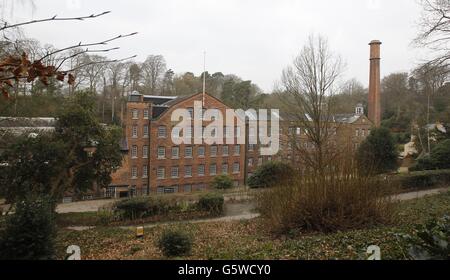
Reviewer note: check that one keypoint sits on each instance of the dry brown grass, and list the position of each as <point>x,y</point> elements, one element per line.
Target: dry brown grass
<point>336,200</point>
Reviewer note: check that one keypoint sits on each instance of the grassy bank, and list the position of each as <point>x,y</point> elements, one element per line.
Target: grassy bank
<point>252,240</point>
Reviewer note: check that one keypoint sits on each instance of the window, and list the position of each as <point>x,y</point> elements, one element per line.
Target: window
<point>134,172</point>
<point>201,151</point>
<point>299,131</point>
<point>188,131</point>
<point>161,132</point>
<point>201,170</point>
<point>188,171</point>
<point>225,168</point>
<point>145,152</point>
<point>172,189</point>
<point>260,161</point>
<point>191,112</point>
<point>213,169</point>
<point>145,131</point>
<point>250,162</point>
<point>161,152</point>
<point>363,132</point>
<point>134,151</point>
<point>213,151</point>
<point>135,114</point>
<point>357,132</point>
<point>237,150</point>
<point>161,173</point>
<point>200,187</point>
<point>174,172</point>
<point>187,188</point>
<point>110,191</point>
<point>188,152</point>
<point>175,152</point>
<point>251,147</point>
<point>225,150</point>
<point>145,171</point>
<point>176,132</point>
<point>134,131</point>
<point>269,159</point>
<point>236,167</point>
<point>146,114</point>
<point>228,131</point>
<point>237,131</point>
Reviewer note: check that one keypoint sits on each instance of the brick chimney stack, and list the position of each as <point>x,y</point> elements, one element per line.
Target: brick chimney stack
<point>374,84</point>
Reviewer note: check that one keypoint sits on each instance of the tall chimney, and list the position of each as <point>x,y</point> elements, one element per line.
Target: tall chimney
<point>374,84</point>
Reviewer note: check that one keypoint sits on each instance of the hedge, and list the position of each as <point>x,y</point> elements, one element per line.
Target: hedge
<point>424,179</point>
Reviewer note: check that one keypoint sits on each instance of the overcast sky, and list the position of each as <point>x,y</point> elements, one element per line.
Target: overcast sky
<point>254,39</point>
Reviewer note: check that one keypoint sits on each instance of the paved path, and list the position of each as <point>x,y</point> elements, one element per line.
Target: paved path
<point>419,194</point>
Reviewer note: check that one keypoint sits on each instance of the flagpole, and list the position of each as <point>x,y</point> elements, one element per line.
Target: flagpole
<point>204,78</point>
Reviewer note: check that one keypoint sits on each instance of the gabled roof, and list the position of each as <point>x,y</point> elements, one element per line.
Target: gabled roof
<point>159,100</point>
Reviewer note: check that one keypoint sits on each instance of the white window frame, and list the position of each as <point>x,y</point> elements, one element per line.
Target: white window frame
<point>188,174</point>
<point>160,156</point>
<point>161,173</point>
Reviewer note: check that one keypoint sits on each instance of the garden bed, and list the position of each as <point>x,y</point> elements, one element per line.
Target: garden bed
<point>252,240</point>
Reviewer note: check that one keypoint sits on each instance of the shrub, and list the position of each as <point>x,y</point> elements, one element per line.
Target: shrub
<point>378,153</point>
<point>174,243</point>
<point>439,157</point>
<point>431,241</point>
<point>141,207</point>
<point>424,179</point>
<point>30,232</point>
<point>270,174</point>
<point>338,200</point>
<point>222,182</point>
<point>212,203</point>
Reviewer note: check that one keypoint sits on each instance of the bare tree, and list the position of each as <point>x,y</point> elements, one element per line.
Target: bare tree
<point>310,82</point>
<point>435,30</point>
<point>153,69</point>
<point>16,68</point>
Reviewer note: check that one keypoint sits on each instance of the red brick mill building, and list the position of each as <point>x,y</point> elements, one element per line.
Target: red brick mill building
<point>153,164</point>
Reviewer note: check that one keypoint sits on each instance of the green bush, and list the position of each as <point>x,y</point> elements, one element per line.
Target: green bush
<point>141,207</point>
<point>424,179</point>
<point>270,174</point>
<point>378,153</point>
<point>222,182</point>
<point>439,157</point>
<point>174,243</point>
<point>30,232</point>
<point>431,241</point>
<point>212,203</point>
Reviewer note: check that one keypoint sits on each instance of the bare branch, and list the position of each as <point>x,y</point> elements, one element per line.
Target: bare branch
<point>54,18</point>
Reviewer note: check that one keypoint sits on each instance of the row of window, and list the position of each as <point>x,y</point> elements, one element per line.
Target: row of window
<point>201,170</point>
<point>188,171</point>
<point>135,114</point>
<point>362,132</point>
<point>188,151</point>
<point>201,151</point>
